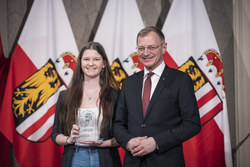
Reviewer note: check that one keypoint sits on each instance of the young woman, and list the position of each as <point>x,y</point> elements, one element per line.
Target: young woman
<point>94,90</point>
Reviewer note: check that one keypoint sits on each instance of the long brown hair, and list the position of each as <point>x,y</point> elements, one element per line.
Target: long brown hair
<point>74,92</point>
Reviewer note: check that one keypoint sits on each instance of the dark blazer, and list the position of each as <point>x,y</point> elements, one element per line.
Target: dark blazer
<point>172,117</point>
<point>108,156</point>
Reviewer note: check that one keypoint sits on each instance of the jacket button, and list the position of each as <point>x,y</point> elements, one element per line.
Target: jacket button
<point>143,125</point>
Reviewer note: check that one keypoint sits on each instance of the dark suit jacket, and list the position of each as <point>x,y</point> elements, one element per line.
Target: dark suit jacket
<point>108,156</point>
<point>172,117</point>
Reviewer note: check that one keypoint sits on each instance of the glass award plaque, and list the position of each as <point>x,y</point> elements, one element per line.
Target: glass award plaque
<point>87,120</point>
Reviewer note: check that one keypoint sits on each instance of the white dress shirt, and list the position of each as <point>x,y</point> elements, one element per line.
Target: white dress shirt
<point>154,78</point>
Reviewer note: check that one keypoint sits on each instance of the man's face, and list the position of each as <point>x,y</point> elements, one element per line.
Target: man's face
<point>150,50</point>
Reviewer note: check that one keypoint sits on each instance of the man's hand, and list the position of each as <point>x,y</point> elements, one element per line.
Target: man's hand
<point>143,147</point>
<point>134,142</point>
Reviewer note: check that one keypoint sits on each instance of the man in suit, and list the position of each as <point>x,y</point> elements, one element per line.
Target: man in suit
<point>157,109</point>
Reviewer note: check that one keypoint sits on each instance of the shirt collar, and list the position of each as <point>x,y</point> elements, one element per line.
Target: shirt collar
<point>158,71</point>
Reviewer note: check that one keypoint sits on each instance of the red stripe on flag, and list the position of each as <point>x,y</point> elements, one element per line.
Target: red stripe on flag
<point>169,61</point>
<point>121,153</point>
<point>49,131</point>
<point>22,66</point>
<point>45,154</point>
<point>206,98</point>
<point>206,149</point>
<point>38,124</point>
<point>46,135</point>
<point>212,113</point>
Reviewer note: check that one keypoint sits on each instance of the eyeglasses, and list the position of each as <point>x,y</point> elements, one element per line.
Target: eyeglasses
<point>150,48</point>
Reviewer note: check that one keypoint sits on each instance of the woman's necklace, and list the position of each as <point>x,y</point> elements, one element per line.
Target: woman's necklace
<point>93,94</point>
<point>89,97</point>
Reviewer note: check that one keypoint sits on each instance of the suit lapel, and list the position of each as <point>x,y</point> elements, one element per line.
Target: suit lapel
<point>161,84</point>
<point>139,84</point>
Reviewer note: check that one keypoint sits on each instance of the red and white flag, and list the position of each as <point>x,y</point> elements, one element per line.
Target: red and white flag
<point>117,31</point>
<point>192,48</point>
<point>41,66</point>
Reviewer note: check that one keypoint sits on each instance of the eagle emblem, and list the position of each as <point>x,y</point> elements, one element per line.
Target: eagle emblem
<point>35,91</point>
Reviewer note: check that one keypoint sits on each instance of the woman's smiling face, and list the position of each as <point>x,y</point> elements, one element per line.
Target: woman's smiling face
<point>92,63</point>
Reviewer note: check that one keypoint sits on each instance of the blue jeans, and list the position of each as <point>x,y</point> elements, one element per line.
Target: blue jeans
<point>85,157</point>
